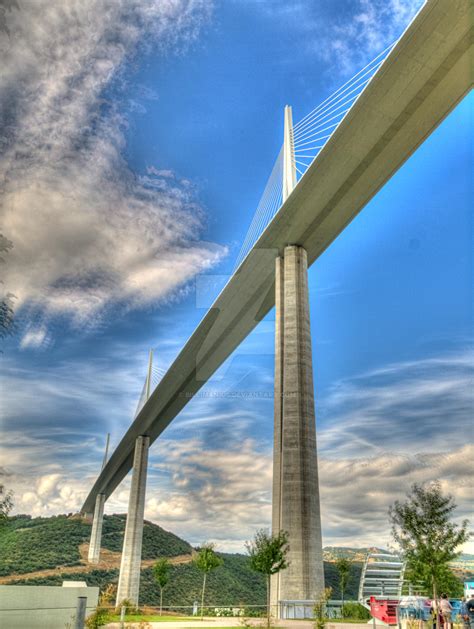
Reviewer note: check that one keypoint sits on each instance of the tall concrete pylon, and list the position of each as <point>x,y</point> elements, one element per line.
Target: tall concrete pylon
<point>289,169</point>
<point>296,505</point>
<point>129,578</point>
<point>98,519</point>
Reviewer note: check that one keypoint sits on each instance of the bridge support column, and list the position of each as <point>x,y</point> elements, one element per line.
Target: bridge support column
<point>96,533</point>
<point>296,506</point>
<point>129,579</point>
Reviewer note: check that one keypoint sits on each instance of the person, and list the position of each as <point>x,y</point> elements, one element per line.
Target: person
<point>446,609</point>
<point>470,610</point>
<point>464,613</point>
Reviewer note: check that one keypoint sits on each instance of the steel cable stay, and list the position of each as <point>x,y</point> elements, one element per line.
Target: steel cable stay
<point>331,97</point>
<point>324,137</point>
<point>265,209</point>
<point>339,115</point>
<point>269,195</point>
<point>307,138</point>
<point>347,98</point>
<point>256,222</point>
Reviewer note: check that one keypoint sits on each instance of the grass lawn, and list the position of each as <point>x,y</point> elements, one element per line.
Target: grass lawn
<point>153,618</point>
<point>197,619</point>
<point>355,621</point>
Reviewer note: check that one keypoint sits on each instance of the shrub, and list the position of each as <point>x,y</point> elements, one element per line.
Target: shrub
<point>98,618</point>
<point>355,611</point>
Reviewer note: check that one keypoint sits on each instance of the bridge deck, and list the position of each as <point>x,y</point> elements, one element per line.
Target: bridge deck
<point>424,77</point>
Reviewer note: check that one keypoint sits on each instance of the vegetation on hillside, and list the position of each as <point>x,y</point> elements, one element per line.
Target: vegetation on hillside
<point>234,583</point>
<point>33,544</point>
<point>156,541</point>
<point>30,544</point>
<point>6,502</point>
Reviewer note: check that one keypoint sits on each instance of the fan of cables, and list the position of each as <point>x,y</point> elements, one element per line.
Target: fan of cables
<point>156,375</point>
<point>268,206</point>
<point>312,132</point>
<point>310,135</point>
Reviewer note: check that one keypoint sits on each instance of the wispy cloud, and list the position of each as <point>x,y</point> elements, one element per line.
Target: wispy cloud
<point>35,337</point>
<point>372,25</point>
<point>402,406</point>
<point>209,479</point>
<point>345,35</point>
<point>88,233</point>
<point>85,397</point>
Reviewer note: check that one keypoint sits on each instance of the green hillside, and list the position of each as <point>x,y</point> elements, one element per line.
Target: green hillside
<point>29,544</point>
<point>39,544</point>
<point>231,584</point>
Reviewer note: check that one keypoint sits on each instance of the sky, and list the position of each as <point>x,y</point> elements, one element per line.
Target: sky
<point>137,137</point>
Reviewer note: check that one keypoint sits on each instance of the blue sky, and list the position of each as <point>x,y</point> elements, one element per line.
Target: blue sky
<point>137,148</point>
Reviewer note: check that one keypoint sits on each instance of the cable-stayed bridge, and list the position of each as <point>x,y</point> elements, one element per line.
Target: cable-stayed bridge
<point>304,141</point>
<point>332,163</point>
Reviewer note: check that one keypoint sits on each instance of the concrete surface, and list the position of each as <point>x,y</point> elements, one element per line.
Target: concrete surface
<point>129,578</point>
<point>296,507</point>
<point>96,531</point>
<point>42,606</point>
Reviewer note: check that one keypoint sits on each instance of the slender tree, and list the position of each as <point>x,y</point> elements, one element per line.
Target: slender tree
<point>6,504</point>
<point>422,527</point>
<point>161,572</point>
<point>343,566</point>
<point>268,556</point>
<point>206,560</point>
<point>7,315</point>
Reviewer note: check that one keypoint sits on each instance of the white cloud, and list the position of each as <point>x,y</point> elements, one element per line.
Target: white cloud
<point>35,337</point>
<point>366,487</point>
<point>47,495</point>
<point>401,407</point>
<point>208,480</point>
<point>224,494</point>
<point>344,35</point>
<point>354,39</point>
<point>87,232</point>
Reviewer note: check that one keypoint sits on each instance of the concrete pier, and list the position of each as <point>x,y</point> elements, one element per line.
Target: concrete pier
<point>129,579</point>
<point>296,506</point>
<point>96,533</point>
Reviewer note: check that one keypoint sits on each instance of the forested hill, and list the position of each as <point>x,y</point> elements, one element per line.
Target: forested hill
<point>48,550</point>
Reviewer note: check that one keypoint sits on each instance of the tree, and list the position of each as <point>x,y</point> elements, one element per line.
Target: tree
<point>101,615</point>
<point>205,561</point>
<point>6,504</point>
<point>268,556</point>
<point>7,321</point>
<point>422,527</point>
<point>343,567</point>
<point>161,572</point>
<point>320,609</point>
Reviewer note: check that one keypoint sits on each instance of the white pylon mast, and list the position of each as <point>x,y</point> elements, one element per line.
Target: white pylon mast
<point>148,376</point>
<point>289,169</point>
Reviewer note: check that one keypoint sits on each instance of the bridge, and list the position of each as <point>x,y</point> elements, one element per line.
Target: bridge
<point>332,163</point>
